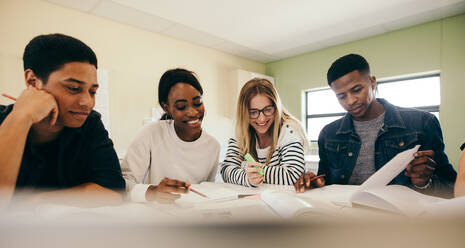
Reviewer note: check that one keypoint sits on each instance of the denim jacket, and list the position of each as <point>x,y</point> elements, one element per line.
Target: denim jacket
<point>403,128</point>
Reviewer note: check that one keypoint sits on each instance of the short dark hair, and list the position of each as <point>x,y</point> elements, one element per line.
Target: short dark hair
<point>172,77</point>
<point>347,64</point>
<point>47,53</point>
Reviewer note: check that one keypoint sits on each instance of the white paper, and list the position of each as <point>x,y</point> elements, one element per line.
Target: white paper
<point>394,198</point>
<point>451,207</point>
<point>335,193</point>
<point>242,190</point>
<point>214,193</point>
<point>390,170</point>
<point>285,205</point>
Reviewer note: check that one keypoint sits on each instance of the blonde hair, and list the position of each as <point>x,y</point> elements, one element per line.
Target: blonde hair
<point>245,134</point>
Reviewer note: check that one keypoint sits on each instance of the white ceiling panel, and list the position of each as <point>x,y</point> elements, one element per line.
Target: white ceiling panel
<point>82,5</point>
<point>131,16</point>
<point>267,30</point>
<point>428,15</point>
<point>231,47</point>
<point>300,50</point>
<point>352,36</point>
<point>190,34</point>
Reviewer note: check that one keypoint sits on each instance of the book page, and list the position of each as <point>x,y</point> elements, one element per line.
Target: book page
<point>214,193</point>
<point>239,189</point>
<point>285,205</point>
<point>242,190</point>
<point>447,207</point>
<point>238,209</point>
<point>335,193</point>
<point>395,198</point>
<point>390,170</point>
<point>277,188</point>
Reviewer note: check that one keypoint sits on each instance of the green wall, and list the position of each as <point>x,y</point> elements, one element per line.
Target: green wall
<point>434,46</point>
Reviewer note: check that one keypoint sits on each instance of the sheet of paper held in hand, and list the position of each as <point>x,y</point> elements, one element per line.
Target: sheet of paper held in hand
<point>390,170</point>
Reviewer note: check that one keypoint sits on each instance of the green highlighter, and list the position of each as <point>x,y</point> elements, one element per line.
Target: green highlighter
<point>249,158</point>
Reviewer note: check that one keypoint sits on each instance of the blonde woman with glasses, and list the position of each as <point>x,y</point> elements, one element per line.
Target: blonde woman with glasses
<point>266,131</point>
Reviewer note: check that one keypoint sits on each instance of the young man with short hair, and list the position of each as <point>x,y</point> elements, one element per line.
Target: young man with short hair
<point>353,148</point>
<point>52,142</point>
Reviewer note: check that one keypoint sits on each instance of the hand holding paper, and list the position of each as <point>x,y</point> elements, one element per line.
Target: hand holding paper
<point>390,170</point>
<point>421,168</point>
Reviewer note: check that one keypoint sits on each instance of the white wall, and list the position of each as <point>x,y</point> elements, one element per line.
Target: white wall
<point>134,58</point>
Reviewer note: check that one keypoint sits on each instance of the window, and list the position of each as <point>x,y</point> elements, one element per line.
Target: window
<point>421,92</point>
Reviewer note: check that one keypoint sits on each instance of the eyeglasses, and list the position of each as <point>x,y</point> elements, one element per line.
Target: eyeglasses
<point>267,111</point>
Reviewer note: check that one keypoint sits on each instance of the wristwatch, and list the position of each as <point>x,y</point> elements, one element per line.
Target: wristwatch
<point>426,185</point>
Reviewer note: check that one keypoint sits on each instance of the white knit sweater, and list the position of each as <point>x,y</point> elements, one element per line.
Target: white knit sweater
<point>157,152</point>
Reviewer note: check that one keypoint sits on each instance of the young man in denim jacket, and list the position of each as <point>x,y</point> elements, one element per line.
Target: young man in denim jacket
<point>373,131</point>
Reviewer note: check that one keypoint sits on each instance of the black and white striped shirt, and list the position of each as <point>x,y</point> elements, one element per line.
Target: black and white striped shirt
<point>286,164</point>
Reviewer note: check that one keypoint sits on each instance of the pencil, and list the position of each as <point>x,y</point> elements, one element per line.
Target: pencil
<point>8,96</point>
<point>195,191</point>
<point>314,178</point>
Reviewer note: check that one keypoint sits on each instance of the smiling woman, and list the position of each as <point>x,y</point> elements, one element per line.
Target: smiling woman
<point>168,155</point>
<point>271,135</point>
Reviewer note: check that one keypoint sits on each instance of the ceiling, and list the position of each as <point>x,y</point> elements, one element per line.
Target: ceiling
<point>269,30</point>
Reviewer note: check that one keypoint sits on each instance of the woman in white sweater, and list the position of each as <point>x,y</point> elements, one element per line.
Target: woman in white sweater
<point>168,155</point>
<point>265,130</point>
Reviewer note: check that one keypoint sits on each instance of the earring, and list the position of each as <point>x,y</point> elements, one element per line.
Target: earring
<point>167,116</point>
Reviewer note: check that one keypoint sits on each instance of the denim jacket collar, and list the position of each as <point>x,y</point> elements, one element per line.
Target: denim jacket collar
<point>392,119</point>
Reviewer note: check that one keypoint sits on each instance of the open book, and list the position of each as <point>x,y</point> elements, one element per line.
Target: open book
<point>372,193</point>
<point>375,193</point>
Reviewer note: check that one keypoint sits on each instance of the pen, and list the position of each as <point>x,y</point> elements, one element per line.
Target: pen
<point>8,96</point>
<point>249,158</point>
<point>314,178</point>
<point>195,191</point>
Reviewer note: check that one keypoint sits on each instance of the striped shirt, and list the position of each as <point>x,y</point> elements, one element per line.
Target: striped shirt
<point>286,164</point>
